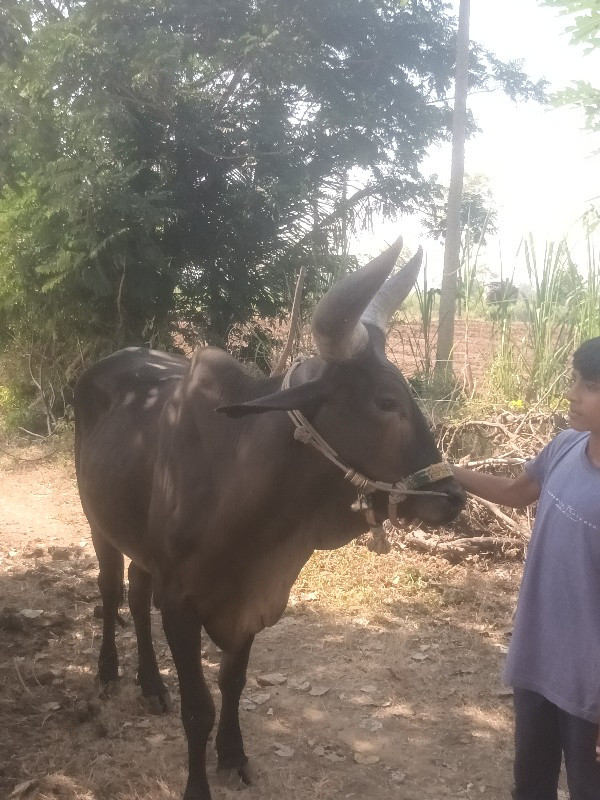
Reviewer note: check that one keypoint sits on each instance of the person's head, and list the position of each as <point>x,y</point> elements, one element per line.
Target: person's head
<point>584,394</point>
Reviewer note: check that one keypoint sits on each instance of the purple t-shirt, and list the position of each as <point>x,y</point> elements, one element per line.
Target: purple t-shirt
<point>555,646</point>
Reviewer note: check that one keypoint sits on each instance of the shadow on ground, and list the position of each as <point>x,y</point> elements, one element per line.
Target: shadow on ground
<point>412,708</point>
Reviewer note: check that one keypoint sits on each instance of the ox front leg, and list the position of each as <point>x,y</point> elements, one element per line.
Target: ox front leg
<point>182,629</point>
<point>230,745</point>
<point>148,676</point>
<point>110,583</point>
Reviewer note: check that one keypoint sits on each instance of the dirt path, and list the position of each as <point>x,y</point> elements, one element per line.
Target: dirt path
<point>388,688</point>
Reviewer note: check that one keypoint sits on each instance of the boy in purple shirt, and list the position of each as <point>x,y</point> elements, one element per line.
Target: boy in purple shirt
<point>554,656</point>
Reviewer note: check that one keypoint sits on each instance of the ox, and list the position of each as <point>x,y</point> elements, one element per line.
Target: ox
<point>218,512</point>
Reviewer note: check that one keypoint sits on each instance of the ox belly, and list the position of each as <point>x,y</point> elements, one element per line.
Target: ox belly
<point>236,601</point>
<point>115,498</point>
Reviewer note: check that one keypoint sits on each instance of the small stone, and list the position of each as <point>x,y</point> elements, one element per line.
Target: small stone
<point>370,724</point>
<point>284,751</point>
<point>31,613</point>
<point>366,758</point>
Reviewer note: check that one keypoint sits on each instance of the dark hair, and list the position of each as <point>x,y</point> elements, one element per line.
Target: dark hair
<point>586,359</point>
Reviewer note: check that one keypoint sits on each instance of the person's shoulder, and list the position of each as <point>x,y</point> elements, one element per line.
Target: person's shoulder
<point>566,440</point>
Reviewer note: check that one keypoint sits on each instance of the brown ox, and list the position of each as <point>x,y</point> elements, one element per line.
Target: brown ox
<point>218,512</point>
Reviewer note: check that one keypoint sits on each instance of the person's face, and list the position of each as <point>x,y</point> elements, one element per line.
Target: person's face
<point>584,404</point>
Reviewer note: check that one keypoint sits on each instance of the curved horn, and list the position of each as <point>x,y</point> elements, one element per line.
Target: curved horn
<point>336,326</point>
<point>393,292</point>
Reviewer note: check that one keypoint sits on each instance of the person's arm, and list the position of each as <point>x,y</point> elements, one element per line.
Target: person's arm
<point>516,492</point>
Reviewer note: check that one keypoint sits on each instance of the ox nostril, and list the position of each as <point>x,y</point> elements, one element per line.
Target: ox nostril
<point>456,496</point>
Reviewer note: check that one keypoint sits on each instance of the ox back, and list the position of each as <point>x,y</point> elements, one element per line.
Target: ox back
<point>218,512</point>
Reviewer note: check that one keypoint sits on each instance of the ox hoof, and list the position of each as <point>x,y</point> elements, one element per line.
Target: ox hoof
<point>158,703</point>
<point>237,777</point>
<point>107,689</point>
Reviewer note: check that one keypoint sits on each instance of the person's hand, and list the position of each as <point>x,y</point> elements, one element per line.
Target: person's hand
<point>598,746</point>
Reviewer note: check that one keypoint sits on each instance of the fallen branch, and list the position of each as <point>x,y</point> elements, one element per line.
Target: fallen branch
<point>456,550</point>
<point>37,435</point>
<point>497,513</point>
<point>36,458</point>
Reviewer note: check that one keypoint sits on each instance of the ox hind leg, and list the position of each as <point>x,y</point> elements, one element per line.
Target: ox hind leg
<point>148,676</point>
<point>182,629</point>
<point>110,583</point>
<point>230,745</point>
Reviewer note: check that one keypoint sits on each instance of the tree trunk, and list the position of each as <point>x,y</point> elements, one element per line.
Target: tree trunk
<point>281,364</point>
<point>445,342</point>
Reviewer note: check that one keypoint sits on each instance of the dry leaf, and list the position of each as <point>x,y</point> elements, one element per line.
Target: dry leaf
<point>300,685</point>
<point>31,613</point>
<point>259,698</point>
<point>272,679</point>
<point>24,788</point>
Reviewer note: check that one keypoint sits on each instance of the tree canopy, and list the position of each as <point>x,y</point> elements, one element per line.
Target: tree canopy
<point>168,162</point>
<point>584,27</point>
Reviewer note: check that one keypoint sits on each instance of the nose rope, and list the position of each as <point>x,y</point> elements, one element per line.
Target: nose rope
<point>306,434</point>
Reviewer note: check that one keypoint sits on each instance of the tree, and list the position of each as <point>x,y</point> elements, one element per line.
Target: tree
<point>477,221</point>
<point>448,294</point>
<point>165,163</point>
<point>501,296</point>
<point>585,30</point>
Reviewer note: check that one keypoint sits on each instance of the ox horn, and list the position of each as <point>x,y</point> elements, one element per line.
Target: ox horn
<point>393,292</point>
<point>336,324</point>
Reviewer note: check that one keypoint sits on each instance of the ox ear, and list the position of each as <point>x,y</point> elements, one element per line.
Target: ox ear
<point>294,399</point>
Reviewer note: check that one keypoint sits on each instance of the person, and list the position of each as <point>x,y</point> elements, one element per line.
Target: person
<point>553,662</point>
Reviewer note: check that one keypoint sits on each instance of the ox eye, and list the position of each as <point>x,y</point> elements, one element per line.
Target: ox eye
<point>386,403</point>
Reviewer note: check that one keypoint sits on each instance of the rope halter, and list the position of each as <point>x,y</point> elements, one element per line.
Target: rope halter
<point>397,492</point>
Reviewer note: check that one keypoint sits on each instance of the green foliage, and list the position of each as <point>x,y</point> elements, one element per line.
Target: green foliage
<point>171,164</point>
<point>561,310</point>
<point>426,300</point>
<point>478,214</point>
<point>501,297</point>
<point>584,27</point>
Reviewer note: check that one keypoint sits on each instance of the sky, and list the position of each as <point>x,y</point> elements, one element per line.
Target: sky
<point>539,161</point>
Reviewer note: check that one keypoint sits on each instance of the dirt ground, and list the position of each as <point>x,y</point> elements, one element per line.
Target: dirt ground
<point>386,679</point>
